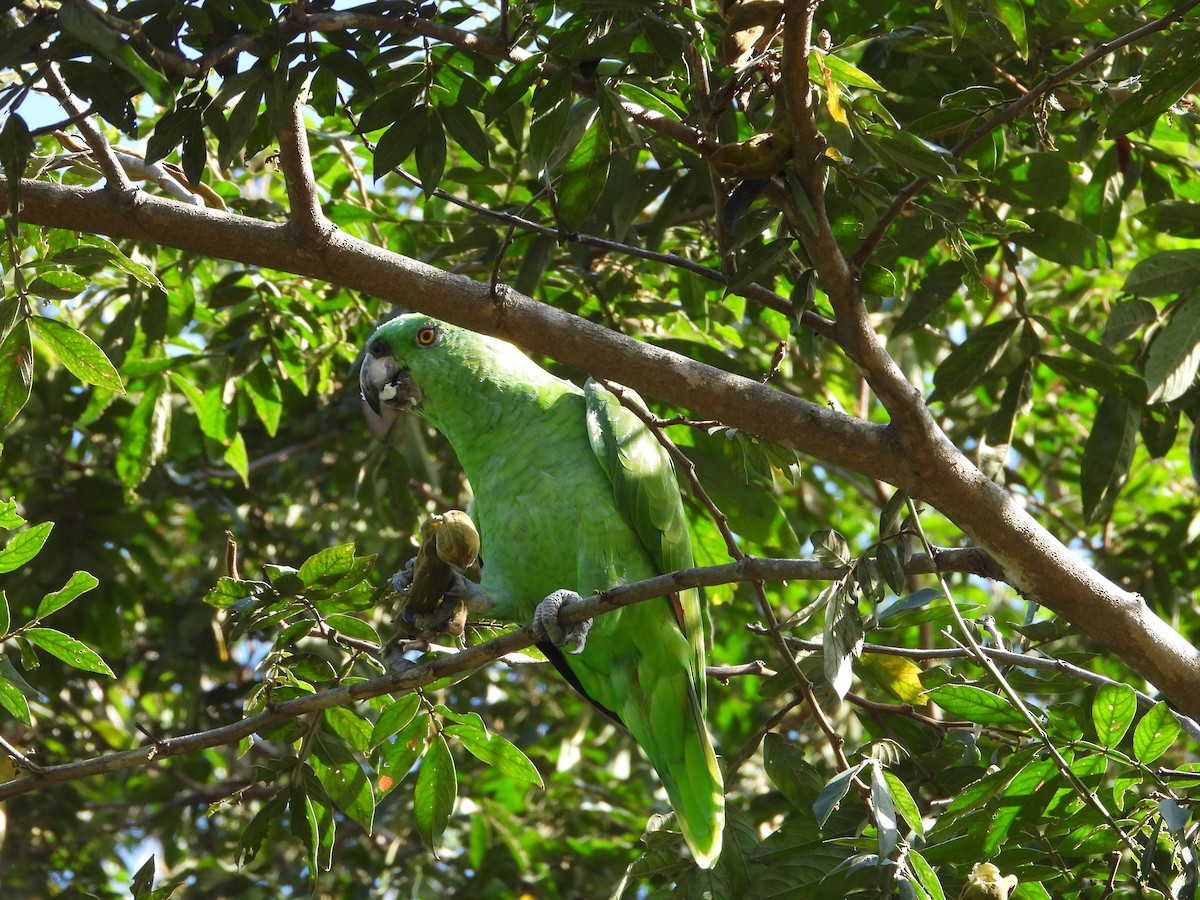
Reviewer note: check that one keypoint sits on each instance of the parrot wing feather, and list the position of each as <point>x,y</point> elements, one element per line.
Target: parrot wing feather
<point>647,494</point>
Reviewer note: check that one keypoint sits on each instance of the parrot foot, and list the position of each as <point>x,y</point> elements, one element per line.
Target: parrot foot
<point>545,617</point>
<point>402,579</point>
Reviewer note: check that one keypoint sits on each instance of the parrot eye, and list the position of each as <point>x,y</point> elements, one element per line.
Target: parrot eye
<point>379,348</point>
<point>426,336</point>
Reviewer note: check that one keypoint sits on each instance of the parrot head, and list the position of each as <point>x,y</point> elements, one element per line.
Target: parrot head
<point>419,363</point>
<point>387,378</point>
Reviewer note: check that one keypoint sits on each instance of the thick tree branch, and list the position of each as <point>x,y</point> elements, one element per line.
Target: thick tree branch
<point>924,463</point>
<point>295,162</point>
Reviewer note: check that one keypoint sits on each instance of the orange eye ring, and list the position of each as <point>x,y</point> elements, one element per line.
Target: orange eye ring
<point>427,336</point>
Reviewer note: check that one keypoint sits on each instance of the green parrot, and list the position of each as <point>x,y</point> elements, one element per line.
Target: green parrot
<point>573,495</point>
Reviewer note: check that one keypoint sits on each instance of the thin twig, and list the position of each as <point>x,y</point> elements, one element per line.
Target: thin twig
<point>1007,658</point>
<point>815,322</point>
<point>1086,794</point>
<point>114,175</point>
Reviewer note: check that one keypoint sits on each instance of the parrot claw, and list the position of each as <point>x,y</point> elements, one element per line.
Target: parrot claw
<point>545,617</point>
<point>402,579</point>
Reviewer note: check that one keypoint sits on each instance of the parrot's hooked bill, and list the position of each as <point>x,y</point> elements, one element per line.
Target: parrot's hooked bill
<point>573,495</point>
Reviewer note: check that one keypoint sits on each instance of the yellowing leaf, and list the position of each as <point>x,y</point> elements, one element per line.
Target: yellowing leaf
<point>898,676</point>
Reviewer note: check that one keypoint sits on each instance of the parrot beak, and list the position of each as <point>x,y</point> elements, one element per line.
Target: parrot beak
<point>384,383</point>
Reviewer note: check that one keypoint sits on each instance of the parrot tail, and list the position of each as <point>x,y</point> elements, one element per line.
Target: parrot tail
<point>685,761</point>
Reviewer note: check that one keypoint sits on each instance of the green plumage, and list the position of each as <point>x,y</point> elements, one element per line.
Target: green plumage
<point>572,491</point>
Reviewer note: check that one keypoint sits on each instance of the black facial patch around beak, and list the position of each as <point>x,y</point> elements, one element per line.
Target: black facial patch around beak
<point>384,383</point>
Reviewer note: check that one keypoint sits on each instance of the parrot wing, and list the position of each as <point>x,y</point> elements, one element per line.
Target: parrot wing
<point>647,494</point>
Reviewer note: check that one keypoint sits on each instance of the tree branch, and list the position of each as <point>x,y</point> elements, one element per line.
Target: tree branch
<point>923,463</point>
<point>746,569</point>
<point>114,175</point>
<point>1007,658</point>
<point>295,161</point>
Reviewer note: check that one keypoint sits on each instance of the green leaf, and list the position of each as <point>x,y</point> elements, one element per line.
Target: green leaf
<point>5,614</point>
<point>904,802</point>
<point>1126,319</point>
<point>884,813</point>
<point>1169,272</point>
<point>1175,354</point>
<point>1034,181</point>
<point>69,650</point>
<point>1016,402</point>
<point>430,156</point>
<point>833,792</point>
<point>394,147</point>
<point>890,568</point>
<point>146,431</point>
<point>395,719</point>
<point>1023,799</point>
<point>9,517</point>
<point>24,546</point>
<point>1107,455</point>
<point>1113,710</point>
<point>584,177</point>
<point>939,284</point>
<point>920,157</point>
<point>255,832</point>
<point>957,12</point>
<point>78,352</point>
<point>512,86</point>
<point>1180,218</point>
<point>327,567</point>
<point>967,363</point>
<point>1155,733</point>
<point>830,549</point>
<point>16,372</point>
<point>460,123</point>
<point>58,285</point>
<point>1063,241</point>
<point>435,793</point>
<point>238,458</point>
<point>841,71</point>
<point>395,758</point>
<point>842,637</point>
<point>14,701</point>
<point>229,591</point>
<point>354,627</point>
<point>87,28</point>
<point>498,752</point>
<point>976,704</point>
<point>1011,14</point>
<point>143,880</point>
<point>790,772</point>
<point>79,583</point>
<point>925,876</point>
<point>343,778</point>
